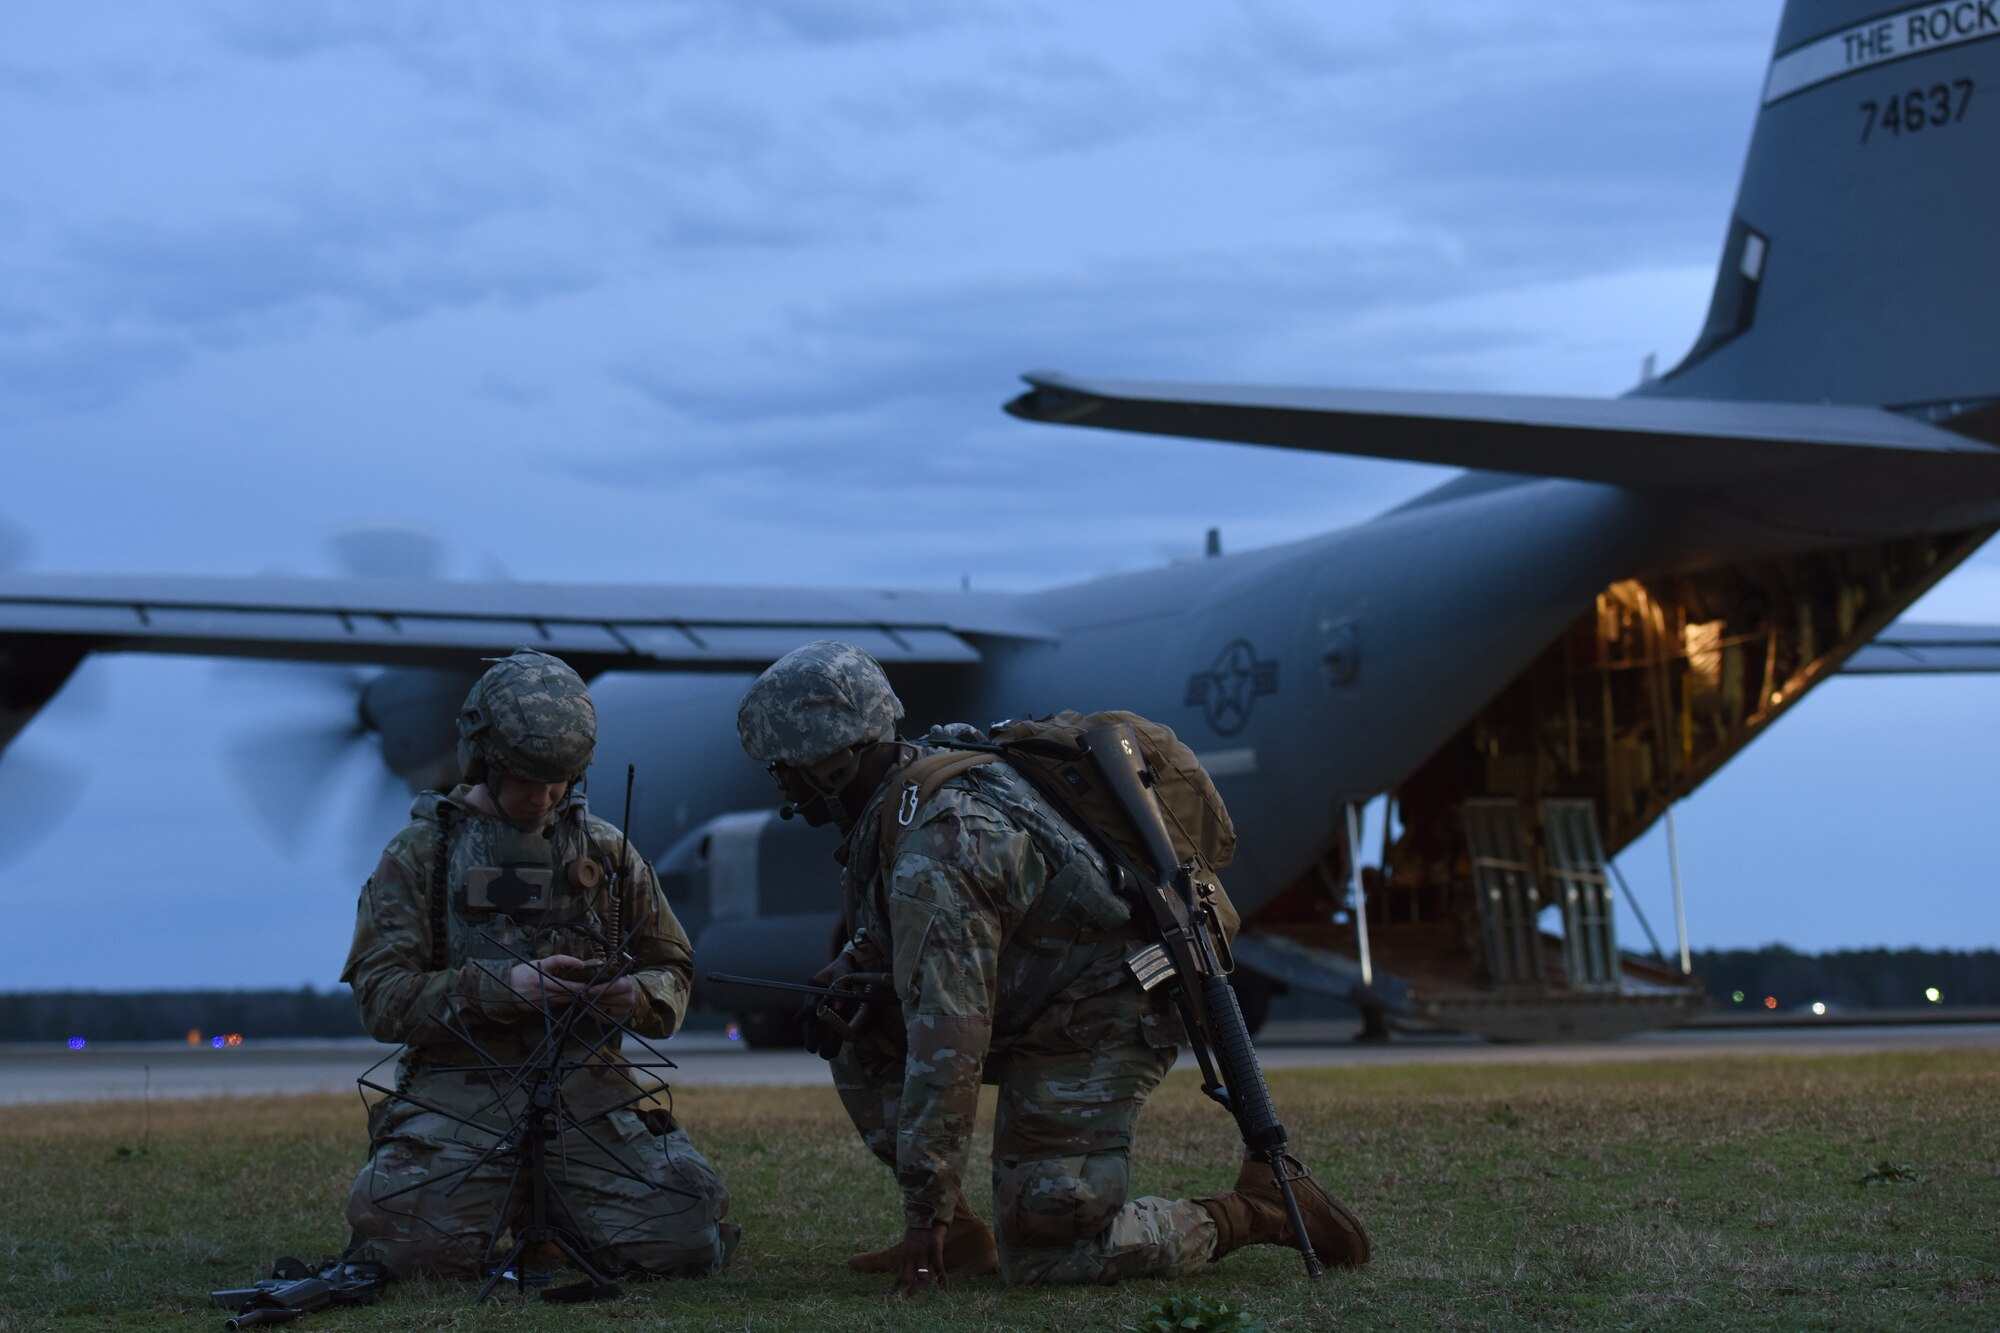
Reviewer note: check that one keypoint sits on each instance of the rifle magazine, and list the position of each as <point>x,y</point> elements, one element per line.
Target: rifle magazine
<point>1149,965</point>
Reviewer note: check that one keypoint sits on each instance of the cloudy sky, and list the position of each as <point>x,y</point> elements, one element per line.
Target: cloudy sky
<point>732,291</point>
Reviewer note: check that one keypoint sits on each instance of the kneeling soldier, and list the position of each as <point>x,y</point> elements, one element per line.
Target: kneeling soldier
<point>506,868</point>
<point>998,925</point>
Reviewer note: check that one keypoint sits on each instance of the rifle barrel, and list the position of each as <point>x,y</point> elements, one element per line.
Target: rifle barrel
<point>794,987</point>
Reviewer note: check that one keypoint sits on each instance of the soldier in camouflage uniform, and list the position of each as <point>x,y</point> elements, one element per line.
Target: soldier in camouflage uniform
<point>999,927</point>
<point>511,866</point>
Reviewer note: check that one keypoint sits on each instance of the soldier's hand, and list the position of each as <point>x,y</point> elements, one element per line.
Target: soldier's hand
<point>617,1000</point>
<point>540,985</point>
<point>820,1039</point>
<point>922,1264</point>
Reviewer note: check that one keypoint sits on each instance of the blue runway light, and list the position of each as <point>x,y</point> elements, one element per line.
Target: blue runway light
<point>76,1043</point>
<point>216,1042</point>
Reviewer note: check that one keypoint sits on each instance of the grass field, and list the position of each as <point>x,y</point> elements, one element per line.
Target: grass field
<point>1727,1195</point>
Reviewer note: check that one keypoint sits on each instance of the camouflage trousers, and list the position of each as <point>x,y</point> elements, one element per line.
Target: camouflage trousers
<point>639,1202</point>
<point>1071,1087</point>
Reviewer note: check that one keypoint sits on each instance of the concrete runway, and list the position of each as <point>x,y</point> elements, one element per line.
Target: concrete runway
<point>49,1073</point>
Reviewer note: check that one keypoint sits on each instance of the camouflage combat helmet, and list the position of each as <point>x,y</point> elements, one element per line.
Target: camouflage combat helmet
<point>817,702</point>
<point>531,716</point>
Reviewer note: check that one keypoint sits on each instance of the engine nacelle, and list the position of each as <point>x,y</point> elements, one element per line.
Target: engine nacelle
<point>415,712</point>
<point>759,896</point>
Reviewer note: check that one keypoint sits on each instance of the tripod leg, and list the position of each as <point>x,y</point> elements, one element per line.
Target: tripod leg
<point>603,1286</point>
<point>511,1264</point>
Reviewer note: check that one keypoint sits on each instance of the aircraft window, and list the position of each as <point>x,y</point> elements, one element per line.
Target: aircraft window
<point>1734,304</point>
<point>1753,255</point>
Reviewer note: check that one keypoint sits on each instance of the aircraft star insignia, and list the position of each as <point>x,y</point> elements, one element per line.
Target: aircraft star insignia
<point>1227,691</point>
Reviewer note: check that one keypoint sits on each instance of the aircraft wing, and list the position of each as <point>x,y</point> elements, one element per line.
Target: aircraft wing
<point>595,627</point>
<point>1907,648</point>
<point>1840,471</point>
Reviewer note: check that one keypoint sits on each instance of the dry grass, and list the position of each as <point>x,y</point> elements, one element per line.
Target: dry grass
<point>1661,1196</point>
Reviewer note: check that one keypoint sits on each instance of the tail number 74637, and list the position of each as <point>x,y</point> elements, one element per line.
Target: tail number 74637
<point>1939,104</point>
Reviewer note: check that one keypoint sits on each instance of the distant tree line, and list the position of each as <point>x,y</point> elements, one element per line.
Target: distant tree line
<point>1846,979</point>
<point>171,1015</point>
<point>1850,978</point>
<point>58,1016</point>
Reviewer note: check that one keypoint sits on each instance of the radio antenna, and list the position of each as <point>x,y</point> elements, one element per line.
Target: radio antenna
<point>625,824</point>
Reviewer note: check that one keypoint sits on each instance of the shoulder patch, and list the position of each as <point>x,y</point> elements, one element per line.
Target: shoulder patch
<point>963,797</point>
<point>414,845</point>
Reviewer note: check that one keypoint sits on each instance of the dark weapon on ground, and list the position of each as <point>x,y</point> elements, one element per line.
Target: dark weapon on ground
<point>294,1290</point>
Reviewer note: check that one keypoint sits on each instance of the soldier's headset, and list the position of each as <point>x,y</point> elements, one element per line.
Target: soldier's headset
<point>791,808</point>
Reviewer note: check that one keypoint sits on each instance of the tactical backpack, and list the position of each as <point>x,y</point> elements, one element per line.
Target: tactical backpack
<point>1048,752</point>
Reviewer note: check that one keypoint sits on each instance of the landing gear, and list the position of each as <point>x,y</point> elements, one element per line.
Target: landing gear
<point>1374,1022</point>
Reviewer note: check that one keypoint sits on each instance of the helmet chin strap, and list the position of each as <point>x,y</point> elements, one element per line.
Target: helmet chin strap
<point>828,789</point>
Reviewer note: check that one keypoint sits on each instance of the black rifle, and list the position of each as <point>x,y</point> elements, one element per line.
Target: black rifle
<point>863,991</point>
<point>865,988</point>
<point>1183,916</point>
<point>294,1290</point>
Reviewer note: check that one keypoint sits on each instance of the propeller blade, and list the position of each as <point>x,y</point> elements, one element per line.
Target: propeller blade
<point>382,807</point>
<point>285,773</point>
<point>387,551</point>
<point>37,793</point>
<point>311,685</point>
<point>84,698</point>
<point>15,546</point>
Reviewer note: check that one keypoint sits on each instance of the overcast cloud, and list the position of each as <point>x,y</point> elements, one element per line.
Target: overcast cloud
<point>718,273</point>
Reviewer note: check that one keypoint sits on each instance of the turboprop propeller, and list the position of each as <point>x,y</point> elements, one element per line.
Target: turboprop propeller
<point>372,737</point>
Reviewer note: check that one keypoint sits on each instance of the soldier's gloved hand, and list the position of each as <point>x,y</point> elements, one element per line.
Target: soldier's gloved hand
<point>820,1039</point>
<point>617,1000</point>
<point>540,984</point>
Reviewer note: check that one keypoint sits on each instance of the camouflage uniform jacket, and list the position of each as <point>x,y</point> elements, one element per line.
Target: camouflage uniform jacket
<point>392,964</point>
<point>994,917</point>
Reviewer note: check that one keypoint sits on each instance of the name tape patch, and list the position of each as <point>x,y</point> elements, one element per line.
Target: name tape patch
<point>1907,32</point>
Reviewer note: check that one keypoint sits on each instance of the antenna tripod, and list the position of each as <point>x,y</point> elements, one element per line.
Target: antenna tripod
<point>531,1124</point>
<point>529,1140</point>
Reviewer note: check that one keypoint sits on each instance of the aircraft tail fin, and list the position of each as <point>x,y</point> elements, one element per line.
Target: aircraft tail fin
<point>1858,265</point>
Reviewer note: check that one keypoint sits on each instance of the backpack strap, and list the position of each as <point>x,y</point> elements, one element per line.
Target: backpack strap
<point>918,781</point>
<point>440,873</point>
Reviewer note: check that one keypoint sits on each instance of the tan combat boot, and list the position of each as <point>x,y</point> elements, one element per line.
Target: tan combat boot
<point>968,1248</point>
<point>1253,1213</point>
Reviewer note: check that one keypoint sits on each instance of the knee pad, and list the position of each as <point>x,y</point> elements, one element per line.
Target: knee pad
<point>687,1256</point>
<point>1058,1201</point>
<point>419,1256</point>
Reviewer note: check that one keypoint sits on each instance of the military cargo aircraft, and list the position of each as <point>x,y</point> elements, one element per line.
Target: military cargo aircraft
<point>1532,662</point>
